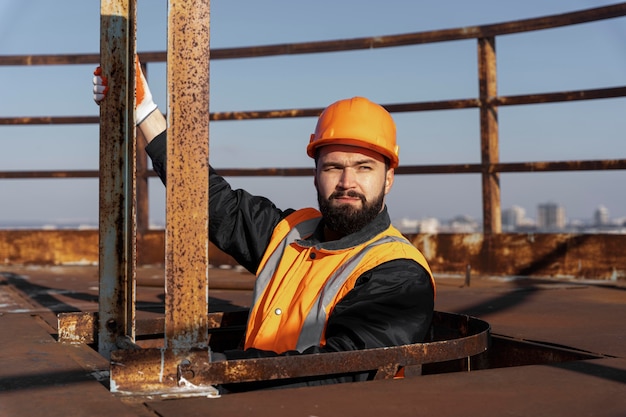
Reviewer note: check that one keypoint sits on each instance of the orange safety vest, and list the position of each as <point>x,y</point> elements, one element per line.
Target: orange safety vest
<point>298,285</point>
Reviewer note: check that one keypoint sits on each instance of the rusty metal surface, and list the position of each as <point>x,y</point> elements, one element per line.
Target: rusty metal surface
<point>159,371</point>
<point>39,377</point>
<point>518,254</point>
<point>489,142</point>
<point>593,388</point>
<point>580,314</point>
<point>117,211</point>
<point>574,313</point>
<point>588,94</point>
<point>48,247</point>
<point>81,327</point>
<point>187,260</point>
<point>534,166</point>
<point>142,200</point>
<point>74,290</point>
<point>77,328</point>
<point>595,256</point>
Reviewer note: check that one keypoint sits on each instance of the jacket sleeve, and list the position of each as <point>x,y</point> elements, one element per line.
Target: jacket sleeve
<point>240,224</point>
<point>390,305</point>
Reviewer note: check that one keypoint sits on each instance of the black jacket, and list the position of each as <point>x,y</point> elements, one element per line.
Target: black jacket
<point>390,305</point>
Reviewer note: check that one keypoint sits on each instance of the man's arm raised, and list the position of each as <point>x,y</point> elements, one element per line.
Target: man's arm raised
<point>150,121</point>
<point>152,126</point>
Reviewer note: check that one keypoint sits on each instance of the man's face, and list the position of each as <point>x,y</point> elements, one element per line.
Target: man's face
<point>351,186</point>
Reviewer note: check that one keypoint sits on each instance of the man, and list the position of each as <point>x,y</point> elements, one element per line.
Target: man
<point>338,279</point>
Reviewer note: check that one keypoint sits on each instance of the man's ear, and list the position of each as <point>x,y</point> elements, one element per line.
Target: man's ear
<point>389,177</point>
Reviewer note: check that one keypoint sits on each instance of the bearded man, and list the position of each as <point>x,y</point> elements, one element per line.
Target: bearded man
<point>335,279</point>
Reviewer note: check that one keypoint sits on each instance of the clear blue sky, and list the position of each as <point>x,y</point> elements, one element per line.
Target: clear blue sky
<point>580,57</point>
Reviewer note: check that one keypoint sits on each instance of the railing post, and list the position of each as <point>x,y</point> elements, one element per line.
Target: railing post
<point>143,203</point>
<point>186,234</point>
<point>488,90</point>
<point>117,233</point>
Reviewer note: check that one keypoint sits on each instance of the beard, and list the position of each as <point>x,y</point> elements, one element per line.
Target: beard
<point>345,219</point>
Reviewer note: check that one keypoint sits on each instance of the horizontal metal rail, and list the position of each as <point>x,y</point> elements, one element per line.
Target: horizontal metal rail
<point>556,97</point>
<point>539,166</point>
<point>417,38</point>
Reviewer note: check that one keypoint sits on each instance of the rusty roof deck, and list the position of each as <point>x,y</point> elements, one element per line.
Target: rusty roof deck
<point>39,376</point>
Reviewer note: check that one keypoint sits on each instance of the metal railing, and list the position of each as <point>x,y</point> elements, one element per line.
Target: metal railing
<point>488,103</point>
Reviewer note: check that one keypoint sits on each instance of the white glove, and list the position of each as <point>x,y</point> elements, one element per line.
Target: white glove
<point>100,86</point>
<point>143,97</point>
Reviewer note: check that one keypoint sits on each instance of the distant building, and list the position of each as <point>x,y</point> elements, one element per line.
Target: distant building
<point>429,226</point>
<point>601,216</point>
<point>408,226</point>
<point>463,224</point>
<point>512,218</point>
<point>550,219</point>
<point>550,216</point>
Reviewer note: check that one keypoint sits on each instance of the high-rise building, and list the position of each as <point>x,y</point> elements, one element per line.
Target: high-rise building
<point>601,216</point>
<point>550,216</point>
<point>513,217</point>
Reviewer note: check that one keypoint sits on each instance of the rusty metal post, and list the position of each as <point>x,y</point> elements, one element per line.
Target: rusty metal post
<point>143,203</point>
<point>141,183</point>
<point>488,90</point>
<point>117,234</point>
<point>187,261</point>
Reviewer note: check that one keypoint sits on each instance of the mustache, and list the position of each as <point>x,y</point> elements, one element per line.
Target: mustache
<point>349,193</point>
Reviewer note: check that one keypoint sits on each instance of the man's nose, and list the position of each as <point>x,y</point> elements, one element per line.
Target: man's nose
<point>348,178</point>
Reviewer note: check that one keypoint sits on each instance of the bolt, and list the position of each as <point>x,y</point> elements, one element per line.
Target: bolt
<point>111,325</point>
<point>184,370</point>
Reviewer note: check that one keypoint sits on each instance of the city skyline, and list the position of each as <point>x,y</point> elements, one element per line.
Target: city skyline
<point>514,218</point>
<point>551,218</point>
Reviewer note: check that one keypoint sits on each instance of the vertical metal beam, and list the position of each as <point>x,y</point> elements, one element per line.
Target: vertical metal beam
<point>489,151</point>
<point>117,245</point>
<point>141,184</point>
<point>187,273</point>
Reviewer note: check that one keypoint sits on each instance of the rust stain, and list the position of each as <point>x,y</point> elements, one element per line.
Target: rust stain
<point>187,185</point>
<point>158,370</point>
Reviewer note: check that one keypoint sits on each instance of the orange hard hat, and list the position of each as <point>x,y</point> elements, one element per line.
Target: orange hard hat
<point>357,122</point>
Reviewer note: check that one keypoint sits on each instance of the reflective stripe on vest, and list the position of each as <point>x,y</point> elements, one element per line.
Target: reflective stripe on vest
<point>301,230</point>
<point>315,322</point>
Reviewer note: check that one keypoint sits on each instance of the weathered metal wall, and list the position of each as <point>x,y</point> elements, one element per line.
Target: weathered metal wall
<point>593,256</point>
<point>48,247</point>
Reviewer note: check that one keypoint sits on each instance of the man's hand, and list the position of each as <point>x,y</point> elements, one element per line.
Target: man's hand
<point>100,85</point>
<point>143,97</point>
